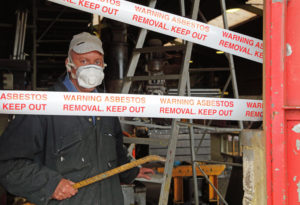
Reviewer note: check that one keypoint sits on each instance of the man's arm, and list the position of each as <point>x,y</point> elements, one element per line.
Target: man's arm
<point>24,178</point>
<point>128,176</point>
<point>19,173</point>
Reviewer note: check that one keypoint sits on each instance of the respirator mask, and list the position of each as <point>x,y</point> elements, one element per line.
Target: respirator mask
<point>88,76</point>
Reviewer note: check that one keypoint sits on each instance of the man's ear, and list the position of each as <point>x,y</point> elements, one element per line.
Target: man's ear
<point>68,64</point>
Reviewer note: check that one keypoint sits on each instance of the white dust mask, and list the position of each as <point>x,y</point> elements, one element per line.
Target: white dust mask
<point>89,76</point>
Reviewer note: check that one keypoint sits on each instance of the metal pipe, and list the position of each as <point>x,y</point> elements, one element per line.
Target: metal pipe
<point>19,54</point>
<point>230,58</point>
<point>226,85</point>
<point>16,36</point>
<point>202,16</point>
<point>21,34</point>
<point>192,144</point>
<point>182,8</point>
<point>203,136</point>
<point>211,184</point>
<point>34,35</point>
<point>22,55</point>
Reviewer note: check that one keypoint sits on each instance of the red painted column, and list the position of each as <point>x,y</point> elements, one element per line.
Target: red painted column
<point>293,100</point>
<point>282,100</point>
<point>266,97</point>
<point>274,67</point>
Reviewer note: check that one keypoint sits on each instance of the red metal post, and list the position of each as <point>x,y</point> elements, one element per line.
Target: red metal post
<point>293,100</point>
<point>282,101</point>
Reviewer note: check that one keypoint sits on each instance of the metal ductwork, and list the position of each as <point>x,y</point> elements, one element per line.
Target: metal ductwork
<point>116,57</point>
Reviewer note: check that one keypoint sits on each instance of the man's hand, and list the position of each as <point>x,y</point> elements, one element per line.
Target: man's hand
<point>64,190</point>
<point>145,173</point>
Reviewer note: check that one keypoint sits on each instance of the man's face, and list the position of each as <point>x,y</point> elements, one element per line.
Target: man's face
<point>93,57</point>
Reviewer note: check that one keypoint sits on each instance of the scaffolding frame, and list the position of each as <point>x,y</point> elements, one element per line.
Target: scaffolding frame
<point>183,86</point>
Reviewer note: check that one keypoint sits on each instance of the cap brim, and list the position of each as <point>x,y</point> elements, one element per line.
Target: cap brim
<point>87,47</point>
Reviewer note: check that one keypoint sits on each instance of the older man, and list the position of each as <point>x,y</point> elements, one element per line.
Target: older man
<point>42,156</point>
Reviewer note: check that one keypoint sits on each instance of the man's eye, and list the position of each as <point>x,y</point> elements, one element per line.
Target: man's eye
<point>99,63</point>
<point>83,61</point>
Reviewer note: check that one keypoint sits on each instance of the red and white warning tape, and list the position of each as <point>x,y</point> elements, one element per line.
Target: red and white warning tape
<point>172,25</point>
<point>127,105</point>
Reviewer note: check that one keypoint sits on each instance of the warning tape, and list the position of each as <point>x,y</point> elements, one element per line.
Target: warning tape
<point>172,25</point>
<point>128,105</point>
<point>118,170</point>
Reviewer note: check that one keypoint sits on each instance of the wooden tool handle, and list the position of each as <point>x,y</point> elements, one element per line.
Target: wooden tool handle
<point>117,170</point>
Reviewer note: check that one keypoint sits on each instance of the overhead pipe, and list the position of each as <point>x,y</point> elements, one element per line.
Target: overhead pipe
<point>34,42</point>
<point>20,35</point>
<point>22,54</point>
<point>16,43</point>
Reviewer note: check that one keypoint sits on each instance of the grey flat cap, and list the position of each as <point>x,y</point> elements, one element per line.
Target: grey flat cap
<point>85,42</point>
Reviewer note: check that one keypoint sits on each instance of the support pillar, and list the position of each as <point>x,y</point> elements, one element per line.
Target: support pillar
<point>254,167</point>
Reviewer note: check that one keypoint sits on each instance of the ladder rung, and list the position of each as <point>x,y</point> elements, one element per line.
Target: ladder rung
<point>159,49</point>
<point>210,129</point>
<point>153,77</point>
<point>144,124</point>
<point>197,92</point>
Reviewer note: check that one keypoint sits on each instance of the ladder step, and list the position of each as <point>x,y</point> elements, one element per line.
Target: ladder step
<point>144,124</point>
<point>153,77</point>
<point>210,129</point>
<point>198,92</point>
<point>159,49</point>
